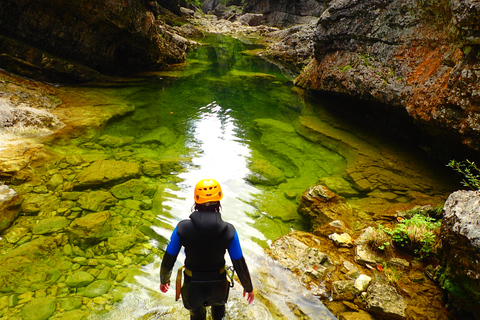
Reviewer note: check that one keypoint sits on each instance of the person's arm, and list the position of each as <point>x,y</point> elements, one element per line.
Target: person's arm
<point>236,254</point>
<point>168,261</point>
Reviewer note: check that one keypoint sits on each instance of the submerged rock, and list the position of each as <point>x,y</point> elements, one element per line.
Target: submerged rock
<point>39,309</point>
<point>321,206</point>
<point>104,172</point>
<point>90,229</point>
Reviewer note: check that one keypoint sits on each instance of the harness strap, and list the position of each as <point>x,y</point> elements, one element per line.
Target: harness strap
<point>204,275</point>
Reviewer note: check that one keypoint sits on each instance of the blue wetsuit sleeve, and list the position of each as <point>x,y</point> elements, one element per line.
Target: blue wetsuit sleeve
<point>174,245</point>
<point>234,250</point>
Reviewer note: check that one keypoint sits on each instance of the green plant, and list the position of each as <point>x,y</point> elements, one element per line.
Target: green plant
<point>415,235</point>
<point>346,68</point>
<point>470,171</point>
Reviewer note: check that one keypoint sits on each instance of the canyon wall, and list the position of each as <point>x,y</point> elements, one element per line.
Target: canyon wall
<point>419,57</point>
<point>81,40</point>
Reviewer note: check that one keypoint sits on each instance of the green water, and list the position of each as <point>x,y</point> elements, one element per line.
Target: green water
<point>231,116</point>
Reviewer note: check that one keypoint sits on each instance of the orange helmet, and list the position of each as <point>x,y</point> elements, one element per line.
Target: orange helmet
<point>207,190</point>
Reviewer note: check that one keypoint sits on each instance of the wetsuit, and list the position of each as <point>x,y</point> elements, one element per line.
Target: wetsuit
<point>206,238</point>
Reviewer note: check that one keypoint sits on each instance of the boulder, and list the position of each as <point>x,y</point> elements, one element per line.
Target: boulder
<point>265,173</point>
<point>96,200</point>
<point>50,225</point>
<point>10,203</point>
<point>161,135</point>
<point>383,300</point>
<point>106,172</point>
<point>97,288</point>
<point>129,189</point>
<point>39,309</point>
<point>79,279</point>
<point>299,258</point>
<point>321,206</point>
<point>460,253</point>
<point>35,203</point>
<point>90,229</point>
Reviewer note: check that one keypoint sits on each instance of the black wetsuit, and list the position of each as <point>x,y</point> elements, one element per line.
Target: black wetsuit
<point>206,238</point>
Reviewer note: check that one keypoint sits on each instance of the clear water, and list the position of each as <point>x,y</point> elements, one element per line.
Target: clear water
<point>209,111</point>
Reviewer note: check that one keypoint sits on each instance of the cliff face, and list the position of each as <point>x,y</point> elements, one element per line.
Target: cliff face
<point>418,56</point>
<point>285,12</point>
<point>77,39</point>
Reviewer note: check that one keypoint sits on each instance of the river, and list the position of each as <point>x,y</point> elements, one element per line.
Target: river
<point>229,115</point>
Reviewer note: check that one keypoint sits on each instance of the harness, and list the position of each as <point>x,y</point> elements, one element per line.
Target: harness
<point>201,276</point>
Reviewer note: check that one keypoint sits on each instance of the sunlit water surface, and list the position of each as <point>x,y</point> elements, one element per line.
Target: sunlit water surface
<point>202,107</point>
<point>210,106</point>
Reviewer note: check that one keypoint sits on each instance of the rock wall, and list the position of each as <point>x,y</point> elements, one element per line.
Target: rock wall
<point>460,235</point>
<point>421,57</point>
<point>80,39</point>
<point>284,12</point>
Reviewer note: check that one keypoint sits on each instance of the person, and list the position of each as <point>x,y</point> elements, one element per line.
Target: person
<point>206,238</point>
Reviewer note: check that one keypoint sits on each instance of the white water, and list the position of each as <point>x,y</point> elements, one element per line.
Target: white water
<point>221,156</point>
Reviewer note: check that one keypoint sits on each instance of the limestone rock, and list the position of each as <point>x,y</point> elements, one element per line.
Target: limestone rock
<point>162,135</point>
<point>460,236</point>
<point>96,200</point>
<point>79,279</point>
<point>10,203</point>
<point>384,300</point>
<point>39,309</point>
<point>129,189</point>
<point>321,206</point>
<point>299,258</point>
<point>90,229</point>
<point>103,172</point>
<point>97,288</point>
<point>265,173</point>
<point>50,225</point>
<point>108,37</point>
<point>40,202</point>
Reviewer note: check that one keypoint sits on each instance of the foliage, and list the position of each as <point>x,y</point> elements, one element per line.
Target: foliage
<point>470,170</point>
<point>415,235</point>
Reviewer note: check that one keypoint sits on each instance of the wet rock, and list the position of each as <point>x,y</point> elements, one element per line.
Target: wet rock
<point>10,203</point>
<point>96,200</point>
<point>152,168</point>
<point>40,202</point>
<point>384,300</point>
<point>90,229</point>
<point>321,206</point>
<point>161,135</point>
<point>299,258</point>
<point>55,181</point>
<point>15,234</point>
<point>104,172</point>
<point>114,142</point>
<point>460,236</point>
<point>265,173</point>
<point>79,279</point>
<point>121,243</point>
<point>97,288</point>
<point>50,225</point>
<point>74,315</point>
<point>39,309</point>
<point>129,189</point>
